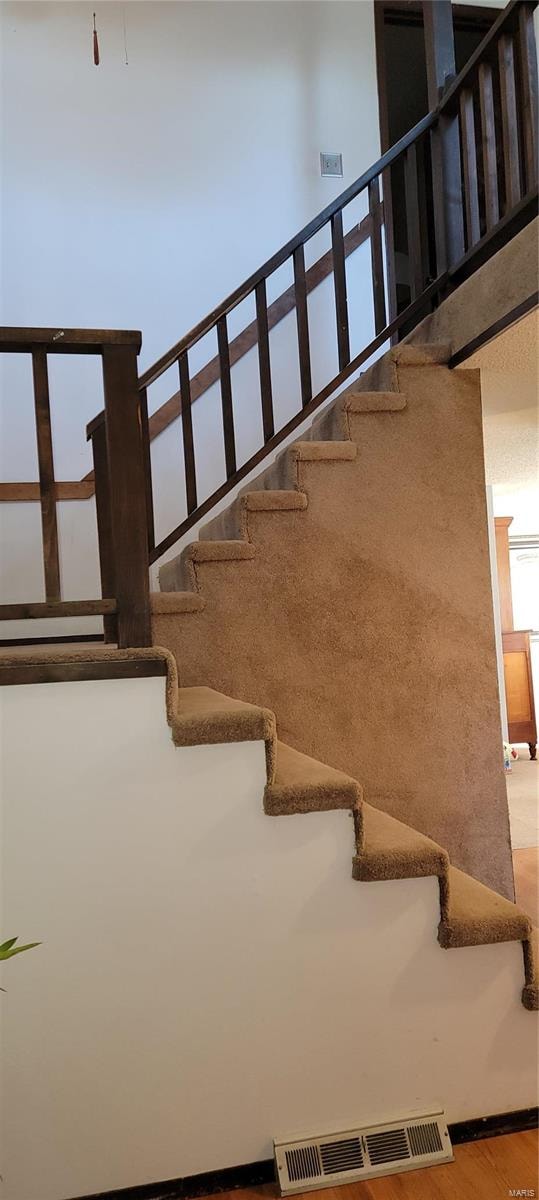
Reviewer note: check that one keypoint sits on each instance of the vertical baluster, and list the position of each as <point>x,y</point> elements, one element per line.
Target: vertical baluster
<point>302,318</point>
<point>528,84</point>
<point>413,225</point>
<point>469,160</point>
<point>47,490</point>
<point>511,157</point>
<point>339,281</point>
<point>488,146</point>
<point>264,367</point>
<point>377,258</point>
<point>187,427</point>
<point>104,525</point>
<point>146,450</point>
<point>226,397</point>
<point>389,232</point>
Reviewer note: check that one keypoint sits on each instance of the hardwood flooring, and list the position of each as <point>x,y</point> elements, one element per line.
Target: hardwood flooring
<point>526,871</point>
<point>485,1170</point>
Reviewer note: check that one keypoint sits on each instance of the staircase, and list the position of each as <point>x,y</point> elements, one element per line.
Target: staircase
<point>343,595</point>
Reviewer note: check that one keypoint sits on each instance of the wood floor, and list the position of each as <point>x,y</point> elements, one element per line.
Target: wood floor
<point>484,1170</point>
<point>526,871</point>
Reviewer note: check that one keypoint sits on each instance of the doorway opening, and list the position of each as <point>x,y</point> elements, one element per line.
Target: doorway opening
<point>403,101</point>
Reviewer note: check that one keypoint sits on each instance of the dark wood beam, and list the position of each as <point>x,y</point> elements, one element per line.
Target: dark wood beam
<point>74,489</point>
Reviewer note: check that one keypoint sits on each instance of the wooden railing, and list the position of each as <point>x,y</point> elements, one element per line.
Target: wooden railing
<point>125,599</point>
<point>470,177</point>
<point>470,184</point>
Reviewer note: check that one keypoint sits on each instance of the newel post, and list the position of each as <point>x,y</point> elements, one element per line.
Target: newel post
<point>446,164</point>
<point>127,492</point>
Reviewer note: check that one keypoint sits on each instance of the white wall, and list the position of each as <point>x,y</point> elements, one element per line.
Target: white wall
<point>510,400</point>
<point>210,977</point>
<point>510,396</point>
<point>139,195</point>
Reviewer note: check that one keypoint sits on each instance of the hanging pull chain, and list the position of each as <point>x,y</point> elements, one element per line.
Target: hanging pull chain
<point>96,46</point>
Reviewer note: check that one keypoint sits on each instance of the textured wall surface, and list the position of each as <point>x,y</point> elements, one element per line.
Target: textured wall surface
<point>366,621</point>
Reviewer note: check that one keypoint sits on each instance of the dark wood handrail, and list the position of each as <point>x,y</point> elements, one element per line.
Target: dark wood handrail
<point>16,339</point>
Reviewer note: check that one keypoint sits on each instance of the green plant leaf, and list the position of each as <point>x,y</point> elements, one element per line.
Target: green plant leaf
<point>7,945</point>
<point>12,949</point>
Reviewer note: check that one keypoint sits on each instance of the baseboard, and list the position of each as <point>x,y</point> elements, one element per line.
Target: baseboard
<point>255,1174</point>
<point>500,1123</point>
<point>230,1179</point>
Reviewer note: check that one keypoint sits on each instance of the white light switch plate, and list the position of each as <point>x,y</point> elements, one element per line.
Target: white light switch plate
<point>330,164</point>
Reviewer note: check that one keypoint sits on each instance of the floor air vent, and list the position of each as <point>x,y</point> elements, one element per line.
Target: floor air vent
<point>305,1164</point>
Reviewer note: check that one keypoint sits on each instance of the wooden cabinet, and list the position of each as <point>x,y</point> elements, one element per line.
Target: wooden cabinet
<point>504,571</point>
<point>517,665</point>
<point>519,688</point>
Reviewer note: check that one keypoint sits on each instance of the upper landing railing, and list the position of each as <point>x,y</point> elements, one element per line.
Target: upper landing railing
<point>470,184</point>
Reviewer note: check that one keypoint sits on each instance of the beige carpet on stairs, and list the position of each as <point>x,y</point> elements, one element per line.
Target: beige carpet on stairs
<point>362,614</point>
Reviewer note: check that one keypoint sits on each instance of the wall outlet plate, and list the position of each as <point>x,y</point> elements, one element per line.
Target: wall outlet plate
<point>330,164</point>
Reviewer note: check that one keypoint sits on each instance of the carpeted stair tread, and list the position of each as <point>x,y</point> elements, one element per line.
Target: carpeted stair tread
<point>323,451</point>
<point>473,915</point>
<point>530,991</point>
<point>302,784</point>
<point>176,602</point>
<point>213,551</point>
<point>233,522</point>
<point>205,717</point>
<point>179,574</point>
<point>372,402</point>
<point>274,501</point>
<point>392,850</point>
<point>410,354</point>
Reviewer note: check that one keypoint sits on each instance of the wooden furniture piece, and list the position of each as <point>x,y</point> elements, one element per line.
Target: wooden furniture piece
<point>516,651</point>
<point>519,688</point>
<point>504,572</point>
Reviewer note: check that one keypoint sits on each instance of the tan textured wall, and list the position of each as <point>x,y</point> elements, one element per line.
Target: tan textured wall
<point>366,623</point>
